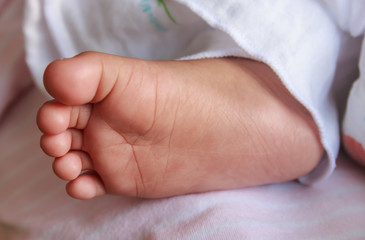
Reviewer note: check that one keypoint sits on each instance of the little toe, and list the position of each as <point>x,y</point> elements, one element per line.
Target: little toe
<point>54,118</point>
<point>60,144</point>
<point>86,186</point>
<point>69,166</point>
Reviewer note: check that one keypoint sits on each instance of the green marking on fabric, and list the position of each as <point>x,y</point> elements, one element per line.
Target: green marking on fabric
<point>163,4</point>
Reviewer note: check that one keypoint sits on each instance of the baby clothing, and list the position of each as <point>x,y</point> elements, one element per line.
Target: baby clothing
<point>350,18</point>
<point>139,29</point>
<point>302,41</point>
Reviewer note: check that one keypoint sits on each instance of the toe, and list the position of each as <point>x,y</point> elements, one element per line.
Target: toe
<point>54,118</point>
<point>77,80</point>
<point>69,166</point>
<point>86,186</point>
<point>60,144</point>
<point>65,80</point>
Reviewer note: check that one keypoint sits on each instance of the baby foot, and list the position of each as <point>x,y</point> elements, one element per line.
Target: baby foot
<point>155,129</point>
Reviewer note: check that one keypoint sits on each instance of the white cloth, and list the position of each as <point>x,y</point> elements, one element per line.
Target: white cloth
<point>350,17</point>
<point>348,14</point>
<point>34,205</point>
<point>140,29</point>
<point>300,40</point>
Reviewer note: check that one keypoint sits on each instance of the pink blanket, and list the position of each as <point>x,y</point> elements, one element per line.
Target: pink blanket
<point>33,204</point>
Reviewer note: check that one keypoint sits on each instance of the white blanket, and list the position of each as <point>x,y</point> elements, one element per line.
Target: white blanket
<point>34,205</point>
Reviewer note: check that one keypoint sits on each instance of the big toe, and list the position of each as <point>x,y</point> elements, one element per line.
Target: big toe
<point>76,80</point>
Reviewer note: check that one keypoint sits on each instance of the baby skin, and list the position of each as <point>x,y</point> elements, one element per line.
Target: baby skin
<point>155,129</point>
